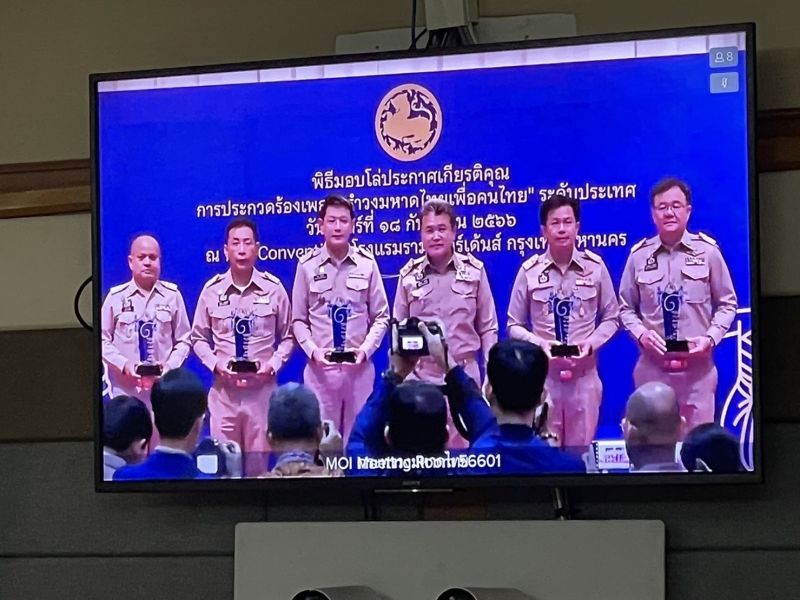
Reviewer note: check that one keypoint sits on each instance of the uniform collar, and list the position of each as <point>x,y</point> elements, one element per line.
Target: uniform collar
<point>686,241</point>
<point>255,279</point>
<point>326,256</point>
<point>456,262</point>
<point>577,259</point>
<point>134,289</point>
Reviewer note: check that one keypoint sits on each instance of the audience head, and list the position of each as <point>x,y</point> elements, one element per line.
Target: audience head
<point>652,425</point>
<point>516,371</point>
<point>709,447</point>
<point>127,428</point>
<point>293,419</point>
<point>417,422</point>
<point>179,402</point>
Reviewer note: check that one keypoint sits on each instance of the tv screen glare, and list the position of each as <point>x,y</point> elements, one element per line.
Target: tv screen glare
<point>263,233</point>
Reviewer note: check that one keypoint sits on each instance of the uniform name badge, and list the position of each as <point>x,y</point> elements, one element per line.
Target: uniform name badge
<point>242,332</point>
<point>339,312</point>
<point>145,332</point>
<point>671,302</point>
<point>562,308</point>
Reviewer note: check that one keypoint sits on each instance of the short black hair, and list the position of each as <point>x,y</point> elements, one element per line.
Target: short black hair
<point>417,418</point>
<point>557,200</point>
<point>293,413</point>
<point>178,399</point>
<point>439,207</point>
<point>517,370</point>
<point>715,446</point>
<point>667,184</point>
<point>241,222</point>
<point>125,420</point>
<point>336,200</point>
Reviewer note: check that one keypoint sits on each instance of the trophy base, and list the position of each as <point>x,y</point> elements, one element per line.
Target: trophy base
<point>677,346</point>
<point>243,366</point>
<point>564,350</point>
<point>148,370</point>
<point>341,356</point>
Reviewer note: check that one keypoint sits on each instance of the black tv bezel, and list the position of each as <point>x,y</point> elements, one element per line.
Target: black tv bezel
<point>460,482</point>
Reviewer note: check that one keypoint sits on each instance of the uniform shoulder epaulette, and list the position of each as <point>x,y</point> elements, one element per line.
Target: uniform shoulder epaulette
<point>306,256</point>
<point>592,256</point>
<point>410,265</point>
<point>117,288</point>
<point>365,252</point>
<point>169,285</point>
<point>215,279</point>
<point>640,244</point>
<point>528,264</point>
<point>269,276</point>
<point>706,238</point>
<point>474,261</point>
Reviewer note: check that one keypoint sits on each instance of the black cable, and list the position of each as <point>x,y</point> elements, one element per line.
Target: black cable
<point>419,37</point>
<point>413,25</point>
<point>76,304</point>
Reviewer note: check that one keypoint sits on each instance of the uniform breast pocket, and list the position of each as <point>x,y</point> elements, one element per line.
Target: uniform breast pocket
<point>164,324</point>
<point>319,291</point>
<point>540,301</point>
<point>357,289</point>
<point>221,320</point>
<point>696,285</point>
<point>418,298</point>
<point>586,300</point>
<point>263,319</point>
<point>126,326</point>
<point>649,283</point>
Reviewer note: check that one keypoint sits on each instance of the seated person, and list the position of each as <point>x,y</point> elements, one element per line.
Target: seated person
<point>298,437</point>
<point>652,427</point>
<point>710,448</point>
<point>127,429</point>
<point>400,418</point>
<point>516,371</point>
<point>179,402</point>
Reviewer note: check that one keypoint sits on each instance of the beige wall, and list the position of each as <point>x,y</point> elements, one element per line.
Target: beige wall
<point>47,49</point>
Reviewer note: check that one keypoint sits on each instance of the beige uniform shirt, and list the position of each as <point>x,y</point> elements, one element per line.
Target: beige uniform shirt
<point>460,297</point>
<point>264,300</point>
<point>125,306</point>
<point>594,308</point>
<point>356,281</point>
<point>695,266</point>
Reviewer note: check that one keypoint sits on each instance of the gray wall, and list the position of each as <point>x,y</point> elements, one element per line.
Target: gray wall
<point>58,539</point>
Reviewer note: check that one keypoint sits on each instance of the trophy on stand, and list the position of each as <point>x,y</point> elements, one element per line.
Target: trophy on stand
<point>671,302</point>
<point>561,309</point>
<point>147,367</point>
<point>339,311</point>
<point>242,330</point>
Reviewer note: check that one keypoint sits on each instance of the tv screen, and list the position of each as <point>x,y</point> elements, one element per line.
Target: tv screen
<point>555,242</point>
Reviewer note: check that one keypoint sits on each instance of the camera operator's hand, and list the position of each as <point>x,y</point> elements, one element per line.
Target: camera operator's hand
<point>233,459</point>
<point>436,346</point>
<point>331,443</point>
<point>402,366</point>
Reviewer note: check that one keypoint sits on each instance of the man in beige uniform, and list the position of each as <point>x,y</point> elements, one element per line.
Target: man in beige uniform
<point>143,321</point>
<point>453,288</point>
<point>256,303</point>
<point>565,297</point>
<point>339,282</point>
<point>683,277</point>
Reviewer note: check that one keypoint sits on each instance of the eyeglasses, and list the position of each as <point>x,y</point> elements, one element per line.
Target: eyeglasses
<point>674,207</point>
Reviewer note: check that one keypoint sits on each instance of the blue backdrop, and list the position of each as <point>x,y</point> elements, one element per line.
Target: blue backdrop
<point>181,162</point>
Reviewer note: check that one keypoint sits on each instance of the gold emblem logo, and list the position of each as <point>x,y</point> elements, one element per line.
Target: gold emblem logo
<point>408,122</point>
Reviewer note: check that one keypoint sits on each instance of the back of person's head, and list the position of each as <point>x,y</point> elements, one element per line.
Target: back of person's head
<point>709,446</point>
<point>417,419</point>
<point>179,399</point>
<point>516,370</point>
<point>653,424</point>
<point>293,414</point>
<point>126,421</point>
